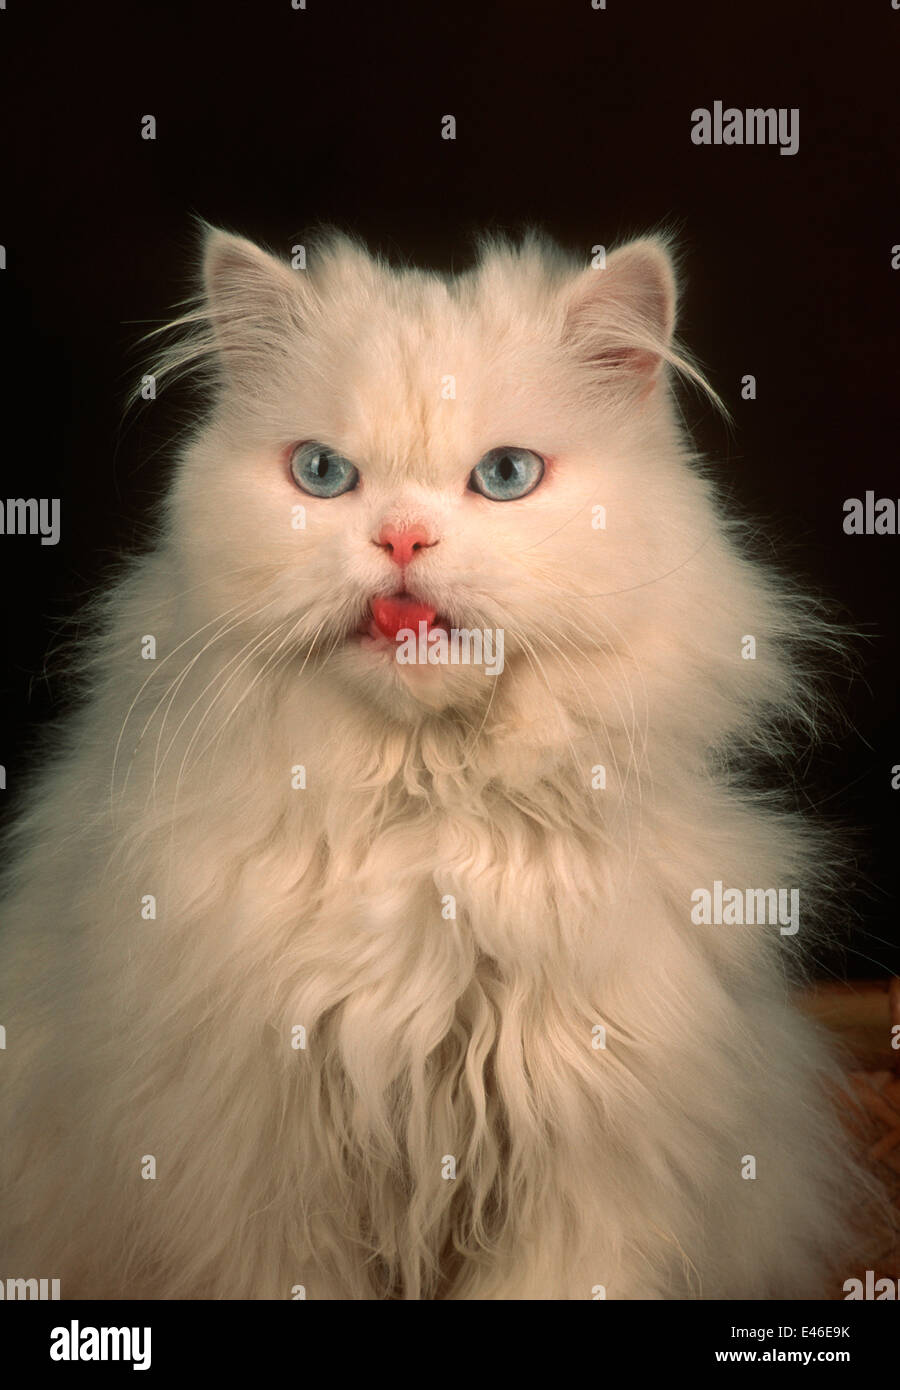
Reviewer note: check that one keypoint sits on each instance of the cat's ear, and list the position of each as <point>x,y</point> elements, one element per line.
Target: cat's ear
<point>253,301</point>
<point>619,319</point>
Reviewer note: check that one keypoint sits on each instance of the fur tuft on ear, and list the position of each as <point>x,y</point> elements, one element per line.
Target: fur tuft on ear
<point>251,298</point>
<point>247,307</point>
<point>620,319</point>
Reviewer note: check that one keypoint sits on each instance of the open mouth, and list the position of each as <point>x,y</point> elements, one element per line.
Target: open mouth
<point>398,613</point>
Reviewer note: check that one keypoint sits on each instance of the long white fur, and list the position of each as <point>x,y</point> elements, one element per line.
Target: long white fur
<point>428,1037</point>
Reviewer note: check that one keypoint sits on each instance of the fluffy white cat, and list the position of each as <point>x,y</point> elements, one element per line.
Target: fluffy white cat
<point>324,972</point>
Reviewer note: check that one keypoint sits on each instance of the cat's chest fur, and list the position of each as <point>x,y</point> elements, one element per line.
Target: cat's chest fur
<point>457,866</point>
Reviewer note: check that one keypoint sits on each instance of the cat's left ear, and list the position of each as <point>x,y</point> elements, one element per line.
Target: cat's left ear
<point>620,318</point>
<point>253,300</point>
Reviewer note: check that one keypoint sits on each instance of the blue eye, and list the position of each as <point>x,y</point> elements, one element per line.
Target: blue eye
<point>505,474</point>
<point>321,472</point>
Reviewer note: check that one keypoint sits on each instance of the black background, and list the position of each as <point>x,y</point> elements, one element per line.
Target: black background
<point>270,120</point>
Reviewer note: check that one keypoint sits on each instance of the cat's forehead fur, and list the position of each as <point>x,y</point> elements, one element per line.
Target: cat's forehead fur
<point>423,368</point>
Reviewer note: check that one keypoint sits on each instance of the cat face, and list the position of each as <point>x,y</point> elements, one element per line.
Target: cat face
<point>401,452</point>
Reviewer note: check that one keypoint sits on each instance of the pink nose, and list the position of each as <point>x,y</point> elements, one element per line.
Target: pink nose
<point>402,543</point>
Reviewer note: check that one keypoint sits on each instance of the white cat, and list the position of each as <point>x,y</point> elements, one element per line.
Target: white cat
<point>324,972</point>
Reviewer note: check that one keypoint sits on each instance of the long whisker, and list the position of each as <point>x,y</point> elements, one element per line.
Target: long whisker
<point>621,781</point>
<point>635,763</point>
<point>537,666</point>
<point>240,659</point>
<point>153,674</point>
<point>291,633</point>
<point>176,686</point>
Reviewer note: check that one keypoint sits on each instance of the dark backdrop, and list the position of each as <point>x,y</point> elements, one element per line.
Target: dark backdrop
<point>271,119</point>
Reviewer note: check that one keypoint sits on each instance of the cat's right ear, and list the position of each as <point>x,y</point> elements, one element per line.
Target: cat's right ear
<point>619,319</point>
<point>253,301</point>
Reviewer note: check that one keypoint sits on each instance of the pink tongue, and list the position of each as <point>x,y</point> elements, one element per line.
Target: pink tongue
<point>393,614</point>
